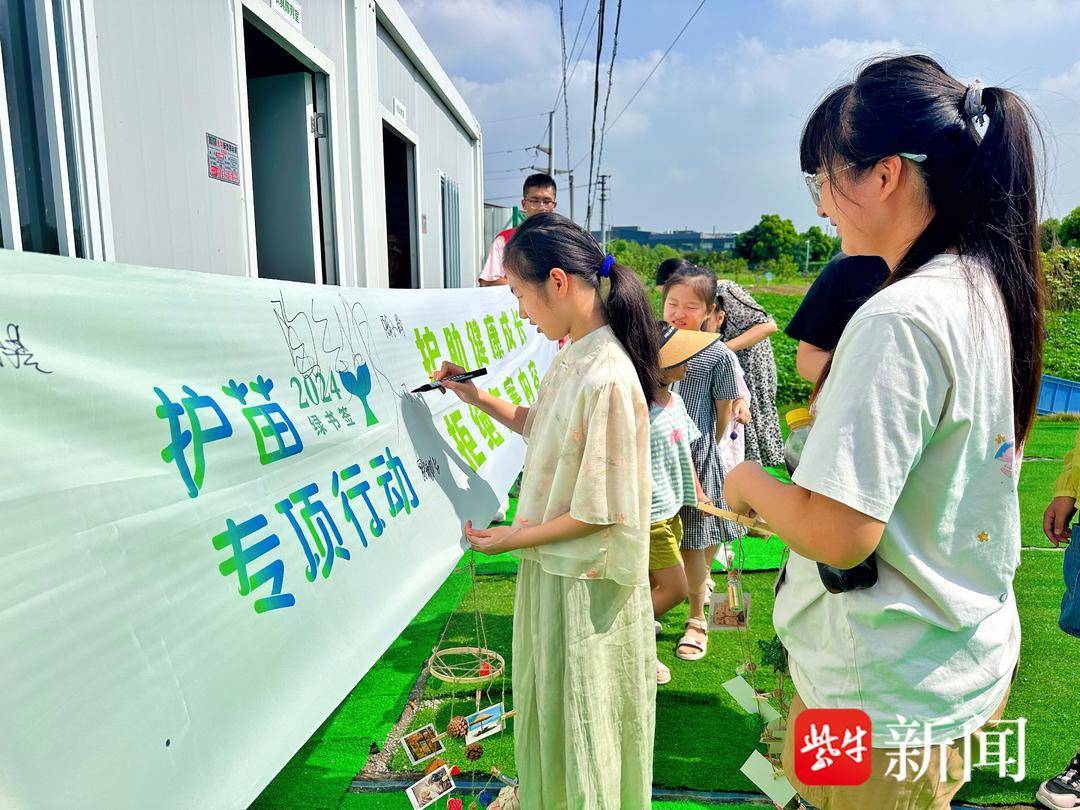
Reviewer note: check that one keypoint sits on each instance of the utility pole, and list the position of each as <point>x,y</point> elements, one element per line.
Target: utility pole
<point>806,263</point>
<point>602,180</point>
<point>551,143</point>
<point>571,173</point>
<point>548,150</point>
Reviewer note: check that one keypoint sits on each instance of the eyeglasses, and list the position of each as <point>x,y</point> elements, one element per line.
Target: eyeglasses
<point>540,202</point>
<point>814,181</point>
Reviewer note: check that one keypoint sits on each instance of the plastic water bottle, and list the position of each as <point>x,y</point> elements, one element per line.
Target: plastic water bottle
<point>835,580</point>
<point>799,421</point>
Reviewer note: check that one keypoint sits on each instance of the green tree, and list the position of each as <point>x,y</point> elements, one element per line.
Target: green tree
<point>771,238</point>
<point>1048,234</point>
<point>1069,232</point>
<point>822,246</point>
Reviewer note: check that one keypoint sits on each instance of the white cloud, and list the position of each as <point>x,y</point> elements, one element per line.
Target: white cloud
<point>1067,83</point>
<point>965,18</point>
<point>476,38</point>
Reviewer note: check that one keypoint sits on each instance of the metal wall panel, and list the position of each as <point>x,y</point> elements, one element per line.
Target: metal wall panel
<point>168,77</point>
<point>443,146</point>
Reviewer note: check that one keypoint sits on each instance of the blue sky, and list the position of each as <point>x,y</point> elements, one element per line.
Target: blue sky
<point>712,140</point>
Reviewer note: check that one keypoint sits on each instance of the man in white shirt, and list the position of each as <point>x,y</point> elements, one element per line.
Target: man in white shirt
<point>537,195</point>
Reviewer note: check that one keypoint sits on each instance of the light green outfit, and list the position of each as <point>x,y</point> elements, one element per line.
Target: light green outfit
<point>584,652</point>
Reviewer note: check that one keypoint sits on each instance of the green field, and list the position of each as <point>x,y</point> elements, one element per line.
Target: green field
<point>701,736</point>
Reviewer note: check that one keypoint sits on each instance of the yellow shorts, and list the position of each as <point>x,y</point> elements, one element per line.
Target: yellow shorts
<point>664,539</point>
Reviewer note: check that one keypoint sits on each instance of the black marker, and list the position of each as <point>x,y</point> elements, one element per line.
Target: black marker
<point>434,386</point>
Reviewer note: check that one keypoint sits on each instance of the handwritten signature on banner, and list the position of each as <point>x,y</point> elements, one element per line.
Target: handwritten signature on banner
<point>14,353</point>
<point>492,337</point>
<point>325,354</point>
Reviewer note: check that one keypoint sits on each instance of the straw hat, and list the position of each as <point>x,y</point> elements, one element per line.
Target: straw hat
<point>679,345</point>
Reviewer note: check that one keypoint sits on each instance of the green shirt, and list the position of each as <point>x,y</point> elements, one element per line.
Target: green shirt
<point>670,432</point>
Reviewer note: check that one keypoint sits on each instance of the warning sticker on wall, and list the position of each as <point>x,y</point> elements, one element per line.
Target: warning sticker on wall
<point>222,159</point>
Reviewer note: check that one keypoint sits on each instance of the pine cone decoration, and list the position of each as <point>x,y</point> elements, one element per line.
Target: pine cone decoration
<point>474,752</point>
<point>457,727</point>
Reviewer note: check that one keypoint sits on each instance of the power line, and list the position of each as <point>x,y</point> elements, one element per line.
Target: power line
<point>657,65</point>
<point>581,52</point>
<point>595,104</point>
<point>566,62</point>
<point>507,171</point>
<point>651,72</point>
<point>511,151</point>
<point>607,96</point>
<point>514,118</point>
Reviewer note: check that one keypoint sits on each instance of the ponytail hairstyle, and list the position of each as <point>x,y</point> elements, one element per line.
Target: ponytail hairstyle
<point>547,240</point>
<point>982,187</point>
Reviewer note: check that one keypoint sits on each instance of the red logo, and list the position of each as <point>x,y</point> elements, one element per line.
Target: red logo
<point>832,746</point>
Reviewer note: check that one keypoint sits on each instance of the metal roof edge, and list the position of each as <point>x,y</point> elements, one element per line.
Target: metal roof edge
<point>394,19</point>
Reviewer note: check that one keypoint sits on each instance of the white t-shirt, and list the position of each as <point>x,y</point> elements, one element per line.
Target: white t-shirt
<point>914,427</point>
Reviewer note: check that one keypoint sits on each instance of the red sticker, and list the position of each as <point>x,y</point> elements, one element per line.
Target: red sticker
<point>832,747</point>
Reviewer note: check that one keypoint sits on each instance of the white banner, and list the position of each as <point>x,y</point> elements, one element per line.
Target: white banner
<point>218,507</point>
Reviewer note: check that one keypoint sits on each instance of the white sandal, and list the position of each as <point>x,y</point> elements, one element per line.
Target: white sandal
<point>663,674</point>
<point>698,646</point>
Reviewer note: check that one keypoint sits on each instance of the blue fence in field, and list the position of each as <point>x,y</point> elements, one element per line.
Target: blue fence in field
<point>1057,395</point>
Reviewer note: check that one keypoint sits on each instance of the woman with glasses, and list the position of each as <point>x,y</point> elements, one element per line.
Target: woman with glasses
<point>920,420</point>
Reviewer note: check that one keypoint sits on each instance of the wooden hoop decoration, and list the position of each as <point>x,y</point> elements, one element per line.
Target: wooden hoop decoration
<point>466,665</point>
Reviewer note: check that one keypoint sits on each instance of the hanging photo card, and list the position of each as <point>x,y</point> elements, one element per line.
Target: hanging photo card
<point>484,723</point>
<point>422,744</point>
<point>429,789</point>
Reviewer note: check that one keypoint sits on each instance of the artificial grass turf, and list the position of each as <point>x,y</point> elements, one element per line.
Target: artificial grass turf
<point>690,709</point>
<point>1036,488</point>
<point>1045,689</point>
<point>1051,438</point>
<point>693,710</point>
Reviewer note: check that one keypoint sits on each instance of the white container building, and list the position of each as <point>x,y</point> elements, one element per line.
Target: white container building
<point>315,141</point>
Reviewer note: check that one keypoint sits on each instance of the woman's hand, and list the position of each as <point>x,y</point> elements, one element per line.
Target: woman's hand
<point>740,412</point>
<point>495,540</point>
<point>466,391</point>
<point>1056,519</point>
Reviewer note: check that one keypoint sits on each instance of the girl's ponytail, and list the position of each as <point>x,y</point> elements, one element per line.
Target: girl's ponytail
<point>547,240</point>
<point>634,324</point>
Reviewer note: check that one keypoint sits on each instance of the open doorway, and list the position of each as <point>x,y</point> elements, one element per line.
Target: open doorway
<point>290,166</point>
<point>400,178</point>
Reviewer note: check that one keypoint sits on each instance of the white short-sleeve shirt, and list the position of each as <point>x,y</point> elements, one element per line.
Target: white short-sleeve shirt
<point>914,427</point>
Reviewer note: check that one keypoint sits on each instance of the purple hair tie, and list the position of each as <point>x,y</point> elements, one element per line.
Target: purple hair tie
<point>605,266</point>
